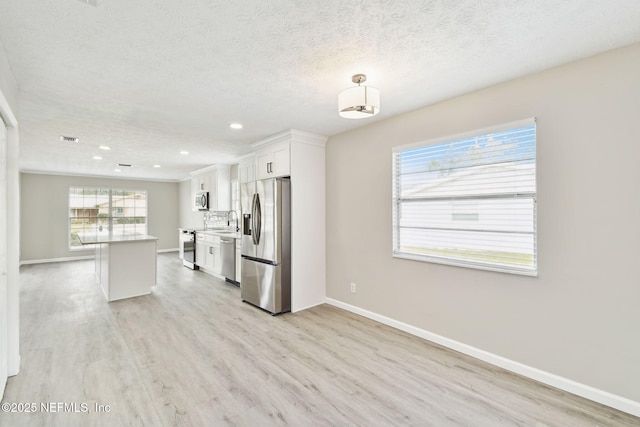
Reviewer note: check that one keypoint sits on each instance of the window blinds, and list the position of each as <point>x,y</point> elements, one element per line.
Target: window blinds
<point>469,200</point>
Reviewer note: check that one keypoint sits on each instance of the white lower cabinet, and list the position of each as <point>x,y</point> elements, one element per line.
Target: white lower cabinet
<point>200,251</point>
<point>208,253</point>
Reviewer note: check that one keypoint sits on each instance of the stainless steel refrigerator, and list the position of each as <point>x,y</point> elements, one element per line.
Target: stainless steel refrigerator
<point>266,244</point>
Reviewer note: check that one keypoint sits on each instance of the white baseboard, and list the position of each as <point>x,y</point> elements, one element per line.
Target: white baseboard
<point>297,309</point>
<point>14,368</point>
<point>161,251</point>
<point>614,401</point>
<point>43,261</point>
<point>77,258</point>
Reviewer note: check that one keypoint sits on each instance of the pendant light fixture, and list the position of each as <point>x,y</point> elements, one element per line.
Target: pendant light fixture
<point>359,102</point>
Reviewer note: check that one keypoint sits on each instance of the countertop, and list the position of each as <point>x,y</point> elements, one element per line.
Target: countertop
<point>90,239</point>
<point>221,233</point>
<point>232,234</point>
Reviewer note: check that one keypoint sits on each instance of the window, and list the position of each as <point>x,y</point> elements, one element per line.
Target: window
<point>105,211</point>
<point>469,200</point>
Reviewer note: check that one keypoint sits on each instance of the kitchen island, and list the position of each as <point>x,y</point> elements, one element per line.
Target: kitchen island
<point>126,265</point>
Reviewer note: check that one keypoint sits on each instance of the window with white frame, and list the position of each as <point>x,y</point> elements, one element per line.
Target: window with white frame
<point>469,200</point>
<point>95,211</point>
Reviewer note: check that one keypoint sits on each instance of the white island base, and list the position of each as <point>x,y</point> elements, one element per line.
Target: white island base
<point>126,267</point>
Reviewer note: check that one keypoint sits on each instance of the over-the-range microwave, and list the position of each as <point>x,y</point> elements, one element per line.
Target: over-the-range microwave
<point>201,201</point>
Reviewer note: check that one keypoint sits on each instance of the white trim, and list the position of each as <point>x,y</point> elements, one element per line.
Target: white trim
<point>77,258</point>
<point>7,113</point>
<point>16,371</point>
<point>209,168</point>
<point>44,261</point>
<point>614,401</point>
<point>292,135</point>
<point>308,138</point>
<point>119,178</point>
<point>13,229</point>
<point>279,137</point>
<point>297,309</point>
<point>463,263</point>
<point>161,251</point>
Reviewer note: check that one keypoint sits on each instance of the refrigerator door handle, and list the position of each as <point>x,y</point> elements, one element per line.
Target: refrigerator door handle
<point>253,219</point>
<point>257,218</point>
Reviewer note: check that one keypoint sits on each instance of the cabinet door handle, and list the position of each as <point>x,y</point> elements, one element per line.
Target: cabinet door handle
<point>211,250</point>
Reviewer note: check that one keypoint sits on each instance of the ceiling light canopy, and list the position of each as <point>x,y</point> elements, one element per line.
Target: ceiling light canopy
<point>359,102</point>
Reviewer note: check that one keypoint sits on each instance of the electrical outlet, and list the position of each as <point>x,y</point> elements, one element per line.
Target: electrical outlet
<point>353,288</point>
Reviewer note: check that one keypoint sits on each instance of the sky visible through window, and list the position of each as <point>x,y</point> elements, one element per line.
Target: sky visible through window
<point>513,145</point>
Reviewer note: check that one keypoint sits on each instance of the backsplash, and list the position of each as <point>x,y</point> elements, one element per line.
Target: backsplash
<point>220,220</point>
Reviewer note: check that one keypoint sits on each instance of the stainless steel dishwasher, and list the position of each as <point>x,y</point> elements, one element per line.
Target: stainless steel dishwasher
<point>228,258</point>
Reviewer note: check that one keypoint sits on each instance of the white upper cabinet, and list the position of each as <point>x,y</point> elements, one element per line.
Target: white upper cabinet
<point>274,160</point>
<point>217,181</point>
<point>203,182</point>
<point>247,169</point>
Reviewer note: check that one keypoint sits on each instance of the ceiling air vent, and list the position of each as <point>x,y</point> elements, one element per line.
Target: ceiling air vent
<point>69,139</point>
<point>124,165</point>
<point>91,2</point>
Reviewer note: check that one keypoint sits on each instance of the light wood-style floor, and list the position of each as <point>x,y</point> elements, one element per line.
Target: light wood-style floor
<point>192,354</point>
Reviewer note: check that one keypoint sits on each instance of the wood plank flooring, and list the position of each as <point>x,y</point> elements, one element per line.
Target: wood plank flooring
<point>192,354</point>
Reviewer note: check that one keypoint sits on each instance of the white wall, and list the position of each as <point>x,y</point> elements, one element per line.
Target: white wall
<point>188,218</point>
<point>45,213</point>
<point>579,319</point>
<point>9,112</point>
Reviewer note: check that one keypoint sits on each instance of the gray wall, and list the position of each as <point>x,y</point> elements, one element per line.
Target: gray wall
<point>579,318</point>
<point>45,213</point>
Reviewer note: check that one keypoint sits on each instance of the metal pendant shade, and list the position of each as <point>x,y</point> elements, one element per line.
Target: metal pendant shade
<point>359,102</point>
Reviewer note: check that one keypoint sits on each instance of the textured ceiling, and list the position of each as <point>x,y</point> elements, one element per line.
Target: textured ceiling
<point>151,78</point>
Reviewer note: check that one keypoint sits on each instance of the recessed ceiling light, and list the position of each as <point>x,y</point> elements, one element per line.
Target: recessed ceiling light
<point>235,126</point>
<point>97,158</point>
<point>184,152</point>
<point>117,170</point>
<point>156,166</point>
<point>104,147</point>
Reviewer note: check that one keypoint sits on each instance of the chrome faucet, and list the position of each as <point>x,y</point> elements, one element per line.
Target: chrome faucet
<point>237,220</point>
